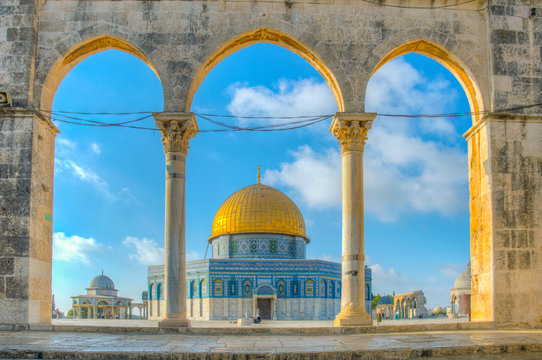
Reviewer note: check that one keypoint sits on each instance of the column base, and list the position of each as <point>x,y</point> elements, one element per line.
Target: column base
<point>352,317</point>
<point>174,322</point>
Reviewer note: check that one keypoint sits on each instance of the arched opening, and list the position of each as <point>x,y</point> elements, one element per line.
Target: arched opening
<point>271,36</point>
<point>98,166</point>
<point>447,59</point>
<point>78,53</point>
<point>416,180</point>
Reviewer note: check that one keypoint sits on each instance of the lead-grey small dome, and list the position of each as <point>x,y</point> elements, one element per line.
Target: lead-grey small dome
<point>385,300</point>
<point>463,281</point>
<point>102,282</point>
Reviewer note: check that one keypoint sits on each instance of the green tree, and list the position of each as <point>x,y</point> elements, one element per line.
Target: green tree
<point>70,313</point>
<point>375,301</point>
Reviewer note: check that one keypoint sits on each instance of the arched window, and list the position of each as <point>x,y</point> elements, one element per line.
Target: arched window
<point>367,292</point>
<point>218,287</point>
<point>192,288</point>
<point>281,289</point>
<point>233,287</point>
<point>332,289</point>
<point>202,289</point>
<point>338,290</point>
<point>247,288</point>
<point>151,292</point>
<point>309,288</point>
<point>295,288</point>
<point>159,291</point>
<point>323,287</point>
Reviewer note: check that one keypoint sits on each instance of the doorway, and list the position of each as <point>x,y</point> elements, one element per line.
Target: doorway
<point>265,308</point>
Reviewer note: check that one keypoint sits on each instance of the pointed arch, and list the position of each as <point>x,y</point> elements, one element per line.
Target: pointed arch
<point>78,53</point>
<point>271,36</point>
<point>450,61</point>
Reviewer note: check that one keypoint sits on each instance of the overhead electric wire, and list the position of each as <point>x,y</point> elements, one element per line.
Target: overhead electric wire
<point>294,122</point>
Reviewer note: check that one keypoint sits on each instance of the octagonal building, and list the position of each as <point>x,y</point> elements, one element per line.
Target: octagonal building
<point>258,265</point>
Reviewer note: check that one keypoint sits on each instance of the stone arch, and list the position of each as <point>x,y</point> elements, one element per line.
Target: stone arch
<point>78,53</point>
<point>450,61</point>
<point>272,36</point>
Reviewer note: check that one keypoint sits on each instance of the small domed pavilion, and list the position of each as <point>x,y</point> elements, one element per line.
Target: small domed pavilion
<point>460,294</point>
<point>101,301</point>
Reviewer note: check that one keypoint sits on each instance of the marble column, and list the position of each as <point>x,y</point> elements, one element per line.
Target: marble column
<point>177,129</point>
<point>351,131</point>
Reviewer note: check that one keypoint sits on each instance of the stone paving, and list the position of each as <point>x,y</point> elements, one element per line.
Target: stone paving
<point>263,324</point>
<point>475,344</point>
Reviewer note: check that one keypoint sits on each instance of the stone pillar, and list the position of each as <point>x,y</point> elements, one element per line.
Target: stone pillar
<point>351,131</point>
<point>505,158</point>
<point>27,142</point>
<point>177,129</point>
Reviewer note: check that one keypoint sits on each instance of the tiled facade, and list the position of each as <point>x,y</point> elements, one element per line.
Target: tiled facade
<point>228,289</point>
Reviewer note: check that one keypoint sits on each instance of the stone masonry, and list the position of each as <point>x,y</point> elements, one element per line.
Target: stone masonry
<point>493,47</point>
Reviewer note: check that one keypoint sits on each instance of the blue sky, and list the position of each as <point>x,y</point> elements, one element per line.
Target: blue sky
<point>109,182</point>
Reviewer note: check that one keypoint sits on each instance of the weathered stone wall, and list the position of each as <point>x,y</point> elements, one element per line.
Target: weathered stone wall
<point>515,43</point>
<point>516,148</point>
<point>17,48</point>
<point>26,189</point>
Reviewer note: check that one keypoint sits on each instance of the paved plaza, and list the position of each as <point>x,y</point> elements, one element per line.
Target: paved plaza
<point>263,324</point>
<point>475,344</point>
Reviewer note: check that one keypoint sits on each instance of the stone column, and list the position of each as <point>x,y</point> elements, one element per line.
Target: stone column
<point>351,131</point>
<point>177,129</point>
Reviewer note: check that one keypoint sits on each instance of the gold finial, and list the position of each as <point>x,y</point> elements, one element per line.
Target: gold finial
<point>258,167</point>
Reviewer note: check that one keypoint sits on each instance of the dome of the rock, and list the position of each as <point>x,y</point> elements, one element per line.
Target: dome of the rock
<point>256,209</point>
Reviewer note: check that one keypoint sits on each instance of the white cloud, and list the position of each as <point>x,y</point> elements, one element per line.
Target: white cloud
<point>288,98</point>
<point>404,171</point>
<point>69,160</point>
<point>145,251</point>
<point>95,148</point>
<point>193,255</point>
<point>74,248</point>
<point>451,271</point>
<point>401,174</point>
<point>314,177</point>
<point>386,280</point>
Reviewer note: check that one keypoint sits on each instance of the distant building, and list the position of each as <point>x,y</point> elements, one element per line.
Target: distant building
<point>409,305</point>
<point>258,264</point>
<point>101,301</point>
<point>385,307</point>
<point>460,294</point>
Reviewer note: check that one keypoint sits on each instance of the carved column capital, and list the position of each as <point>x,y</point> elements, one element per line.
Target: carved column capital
<point>177,129</point>
<point>351,130</point>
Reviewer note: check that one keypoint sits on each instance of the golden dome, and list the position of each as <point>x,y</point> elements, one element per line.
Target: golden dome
<point>258,209</point>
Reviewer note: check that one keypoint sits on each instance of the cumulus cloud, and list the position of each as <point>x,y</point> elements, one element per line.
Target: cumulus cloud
<point>406,175</point>
<point>321,174</point>
<point>288,98</point>
<point>399,88</point>
<point>408,164</point>
<point>74,248</point>
<point>145,251</point>
<point>386,279</point>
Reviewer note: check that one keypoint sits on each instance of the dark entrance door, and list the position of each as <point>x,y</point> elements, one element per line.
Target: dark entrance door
<point>265,308</point>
